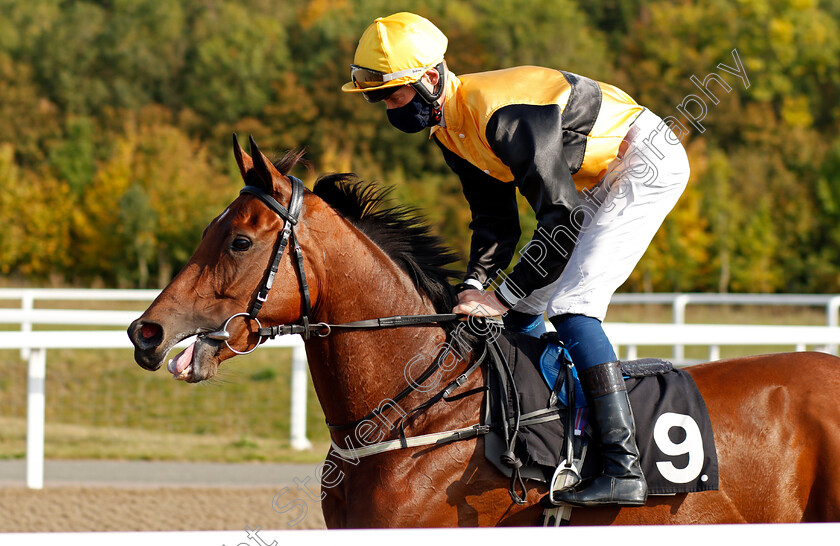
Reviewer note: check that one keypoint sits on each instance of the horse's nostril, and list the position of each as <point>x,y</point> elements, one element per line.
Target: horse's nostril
<point>145,335</point>
<point>148,331</point>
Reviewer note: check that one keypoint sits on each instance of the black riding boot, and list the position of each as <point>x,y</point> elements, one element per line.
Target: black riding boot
<point>622,482</point>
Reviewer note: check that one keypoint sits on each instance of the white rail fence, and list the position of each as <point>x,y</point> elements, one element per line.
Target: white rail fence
<point>34,343</point>
<point>766,534</point>
<point>679,303</point>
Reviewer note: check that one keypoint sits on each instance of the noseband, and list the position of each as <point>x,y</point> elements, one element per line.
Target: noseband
<point>291,216</point>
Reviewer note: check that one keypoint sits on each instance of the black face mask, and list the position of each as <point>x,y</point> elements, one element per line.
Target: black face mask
<point>413,117</point>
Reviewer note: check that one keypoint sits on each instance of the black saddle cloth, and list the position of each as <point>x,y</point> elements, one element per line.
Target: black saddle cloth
<point>674,433</point>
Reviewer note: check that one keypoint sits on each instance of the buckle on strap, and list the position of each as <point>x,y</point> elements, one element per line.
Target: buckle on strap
<point>460,380</point>
<point>458,435</point>
<point>318,329</point>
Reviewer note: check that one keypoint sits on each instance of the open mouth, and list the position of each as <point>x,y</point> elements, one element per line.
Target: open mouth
<point>200,360</point>
<point>182,365</point>
<point>196,362</point>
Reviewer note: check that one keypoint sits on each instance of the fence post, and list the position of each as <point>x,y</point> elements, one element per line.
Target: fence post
<point>35,418</point>
<point>832,310</point>
<point>298,424</point>
<point>679,318</point>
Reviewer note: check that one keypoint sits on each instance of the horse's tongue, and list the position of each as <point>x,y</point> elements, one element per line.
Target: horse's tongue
<point>181,363</point>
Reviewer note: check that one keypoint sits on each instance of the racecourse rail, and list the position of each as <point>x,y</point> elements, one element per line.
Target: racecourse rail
<point>766,534</point>
<point>34,343</point>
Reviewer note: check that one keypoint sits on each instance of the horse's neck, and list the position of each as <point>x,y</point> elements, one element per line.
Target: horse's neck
<point>354,372</point>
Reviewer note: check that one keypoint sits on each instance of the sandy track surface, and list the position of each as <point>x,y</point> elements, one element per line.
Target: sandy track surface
<point>156,496</point>
<point>75,508</point>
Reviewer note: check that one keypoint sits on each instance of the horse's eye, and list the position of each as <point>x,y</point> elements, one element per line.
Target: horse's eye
<point>240,244</point>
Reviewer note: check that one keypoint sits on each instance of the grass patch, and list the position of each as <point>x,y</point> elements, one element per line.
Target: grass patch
<point>66,441</point>
<point>265,374</point>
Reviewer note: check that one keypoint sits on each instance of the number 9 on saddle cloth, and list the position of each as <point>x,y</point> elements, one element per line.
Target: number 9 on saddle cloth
<point>674,433</point>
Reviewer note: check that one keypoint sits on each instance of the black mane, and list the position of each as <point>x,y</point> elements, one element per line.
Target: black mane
<point>399,230</point>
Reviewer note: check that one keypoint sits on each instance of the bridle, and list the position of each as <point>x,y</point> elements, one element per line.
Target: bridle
<point>306,328</point>
<point>291,216</point>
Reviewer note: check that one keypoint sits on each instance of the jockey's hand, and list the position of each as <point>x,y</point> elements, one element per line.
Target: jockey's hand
<point>477,303</point>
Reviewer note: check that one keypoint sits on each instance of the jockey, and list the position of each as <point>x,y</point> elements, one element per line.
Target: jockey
<point>601,173</point>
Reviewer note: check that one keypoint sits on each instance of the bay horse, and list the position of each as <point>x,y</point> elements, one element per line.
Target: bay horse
<point>776,418</point>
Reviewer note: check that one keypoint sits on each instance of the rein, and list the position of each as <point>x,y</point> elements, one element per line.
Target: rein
<point>322,329</point>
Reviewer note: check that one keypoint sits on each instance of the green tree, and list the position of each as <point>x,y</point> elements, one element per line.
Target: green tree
<point>143,215</point>
<point>11,196</point>
<point>73,158</point>
<point>113,114</point>
<point>234,55</point>
<point>27,119</point>
<point>138,220</point>
<point>35,214</point>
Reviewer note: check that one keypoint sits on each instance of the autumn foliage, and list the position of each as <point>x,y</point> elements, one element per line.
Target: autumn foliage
<point>116,116</point>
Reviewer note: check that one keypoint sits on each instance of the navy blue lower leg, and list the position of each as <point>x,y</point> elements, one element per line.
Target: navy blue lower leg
<point>522,323</point>
<point>585,340</point>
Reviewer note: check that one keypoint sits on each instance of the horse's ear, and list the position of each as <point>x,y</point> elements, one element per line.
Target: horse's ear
<point>267,172</point>
<point>244,161</point>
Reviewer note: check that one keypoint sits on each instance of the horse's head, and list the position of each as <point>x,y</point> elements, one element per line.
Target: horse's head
<point>223,279</point>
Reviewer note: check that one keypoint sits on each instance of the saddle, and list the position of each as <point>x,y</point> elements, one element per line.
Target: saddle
<point>539,432</point>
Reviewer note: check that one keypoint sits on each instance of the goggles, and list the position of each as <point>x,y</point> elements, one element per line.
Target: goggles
<point>379,94</point>
<point>366,78</point>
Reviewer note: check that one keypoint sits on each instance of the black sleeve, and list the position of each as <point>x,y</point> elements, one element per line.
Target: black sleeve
<point>495,218</point>
<point>529,140</point>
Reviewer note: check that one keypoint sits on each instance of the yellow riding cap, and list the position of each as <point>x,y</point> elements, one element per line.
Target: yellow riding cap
<point>395,51</point>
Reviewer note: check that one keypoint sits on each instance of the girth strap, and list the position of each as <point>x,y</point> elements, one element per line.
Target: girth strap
<point>435,438</point>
